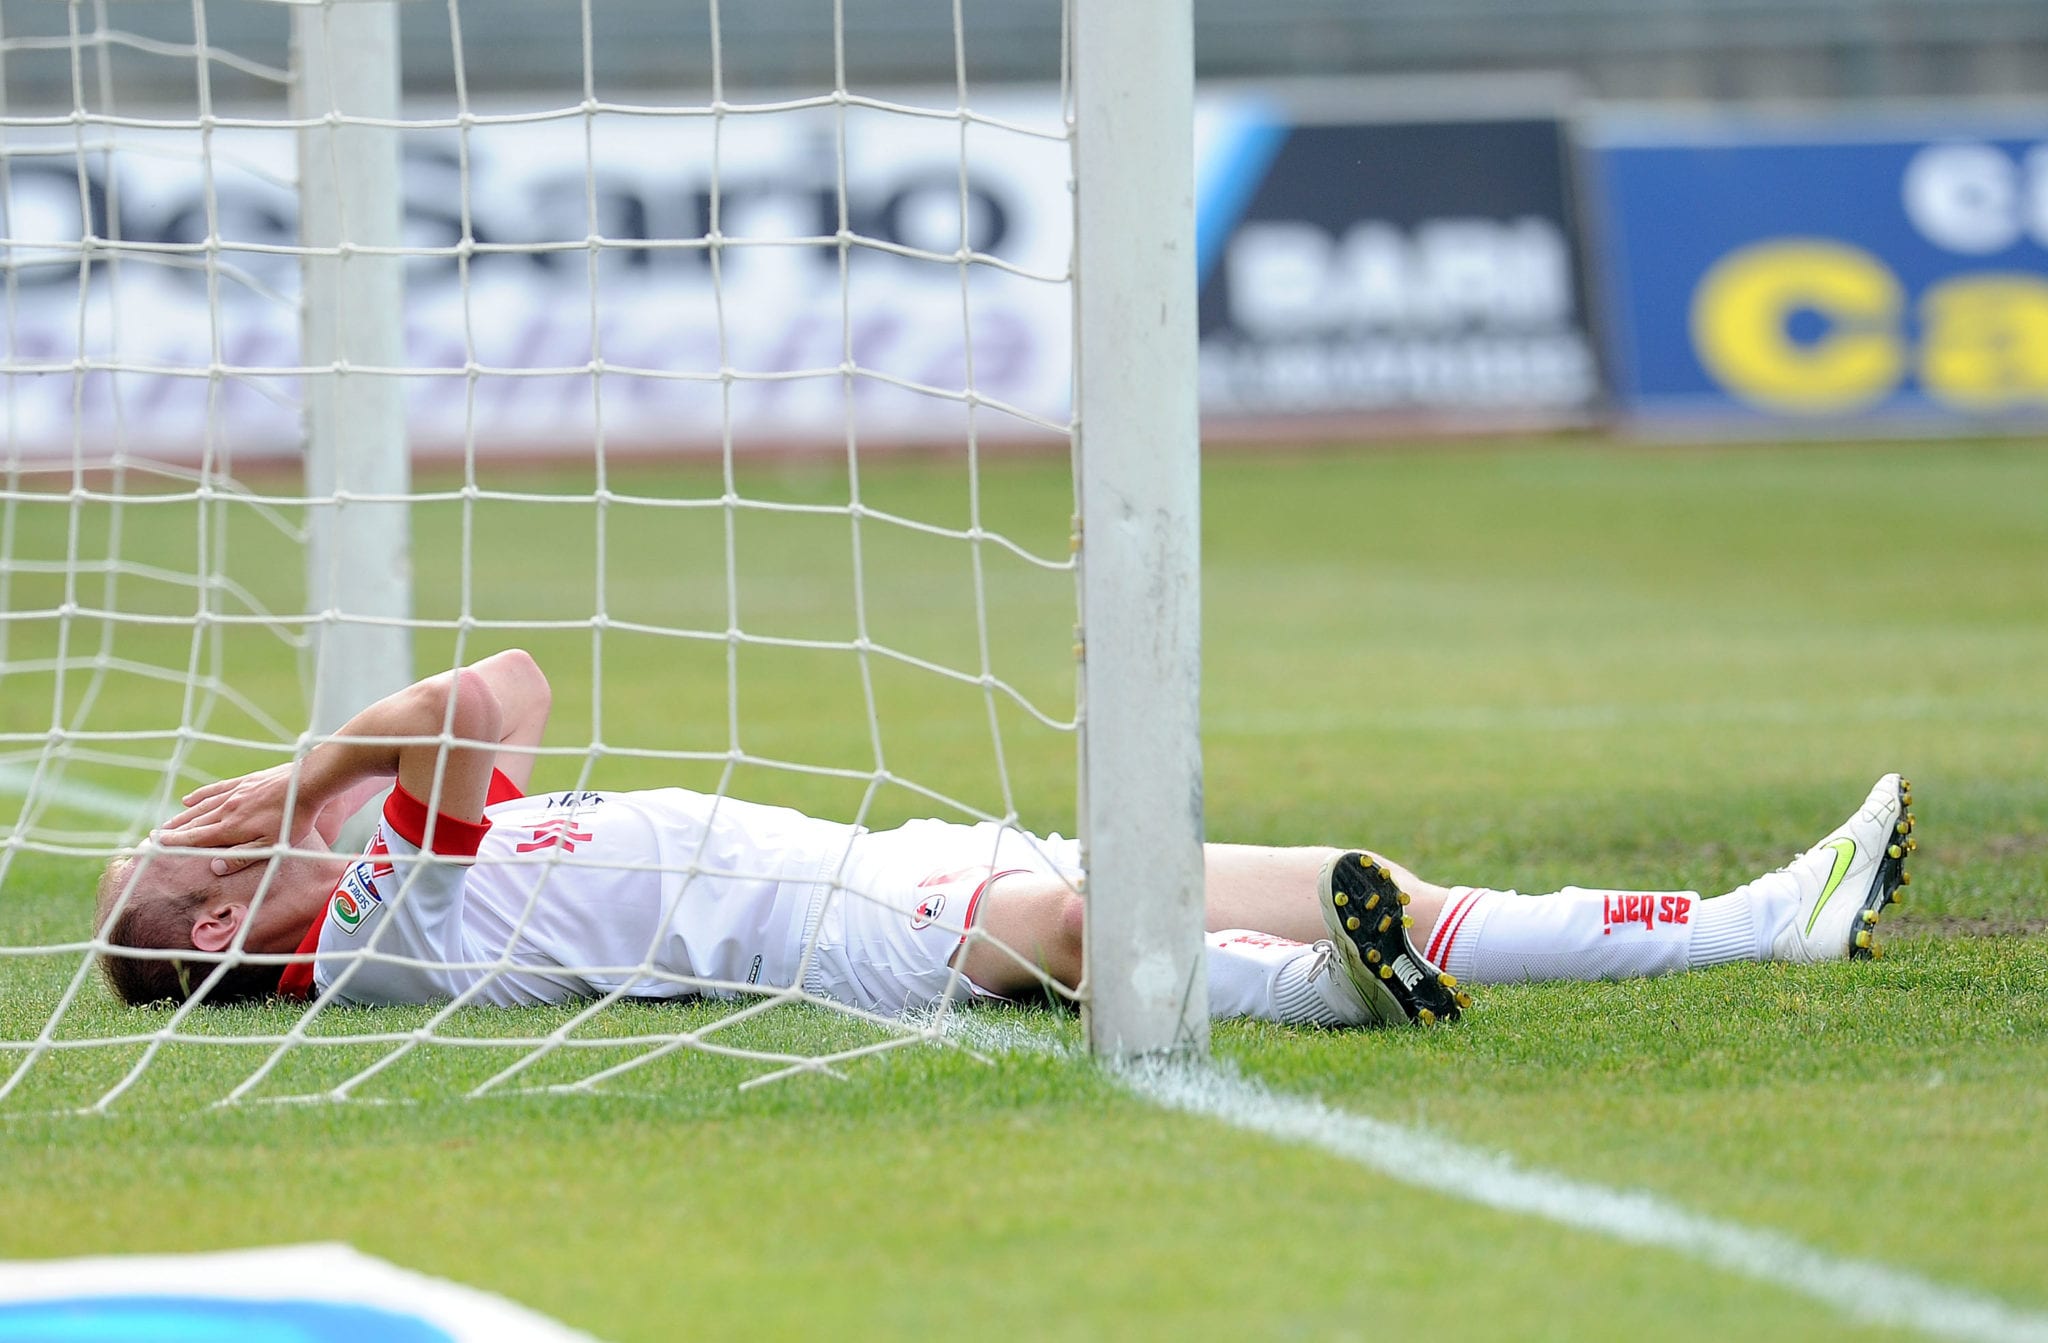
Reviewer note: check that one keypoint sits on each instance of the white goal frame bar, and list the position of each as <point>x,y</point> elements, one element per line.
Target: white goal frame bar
<point>1137,474</point>
<point>352,198</point>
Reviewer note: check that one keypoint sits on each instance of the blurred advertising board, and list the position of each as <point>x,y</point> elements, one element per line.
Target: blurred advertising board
<point>1425,271</point>
<point>673,280</point>
<point>1889,269</point>
<point>650,281</point>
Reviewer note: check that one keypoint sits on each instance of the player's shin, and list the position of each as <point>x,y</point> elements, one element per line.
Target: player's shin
<point>1501,937</point>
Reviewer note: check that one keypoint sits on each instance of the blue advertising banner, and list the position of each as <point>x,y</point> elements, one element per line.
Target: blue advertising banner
<point>1825,271</point>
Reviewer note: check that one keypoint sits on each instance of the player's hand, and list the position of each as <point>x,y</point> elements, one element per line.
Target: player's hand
<point>234,860</point>
<point>240,813</point>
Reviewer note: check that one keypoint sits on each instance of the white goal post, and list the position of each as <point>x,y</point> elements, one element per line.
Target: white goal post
<point>358,552</point>
<point>430,301</point>
<point>1137,473</point>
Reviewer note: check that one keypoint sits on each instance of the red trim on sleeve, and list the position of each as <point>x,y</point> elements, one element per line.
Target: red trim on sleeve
<point>453,837</point>
<point>297,979</point>
<point>502,789</point>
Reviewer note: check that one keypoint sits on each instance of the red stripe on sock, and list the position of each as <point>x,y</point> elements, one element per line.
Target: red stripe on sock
<point>1443,922</point>
<point>1448,925</point>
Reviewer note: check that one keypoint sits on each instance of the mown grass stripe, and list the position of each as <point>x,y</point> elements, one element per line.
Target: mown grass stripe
<point>1870,1292</point>
<point>106,803</point>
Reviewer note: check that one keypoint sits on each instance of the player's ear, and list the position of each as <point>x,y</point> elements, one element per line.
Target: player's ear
<point>216,923</point>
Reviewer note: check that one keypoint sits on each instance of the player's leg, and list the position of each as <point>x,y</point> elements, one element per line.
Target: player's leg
<point>1014,902</point>
<point>1027,929</point>
<point>1278,890</point>
<point>1824,905</point>
<point>1268,909</point>
<point>1027,917</point>
<point>1317,894</point>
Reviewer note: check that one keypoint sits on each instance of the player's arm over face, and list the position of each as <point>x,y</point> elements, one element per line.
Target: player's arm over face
<point>440,738</point>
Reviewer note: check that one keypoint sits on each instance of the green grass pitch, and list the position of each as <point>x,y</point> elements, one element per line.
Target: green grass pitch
<point>1522,664</point>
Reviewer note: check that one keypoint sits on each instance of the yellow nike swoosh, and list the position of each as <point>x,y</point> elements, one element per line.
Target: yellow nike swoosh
<point>1845,854</point>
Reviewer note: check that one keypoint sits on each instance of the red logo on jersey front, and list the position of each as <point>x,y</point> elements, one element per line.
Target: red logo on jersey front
<point>1619,911</point>
<point>379,855</point>
<point>927,910</point>
<point>561,834</point>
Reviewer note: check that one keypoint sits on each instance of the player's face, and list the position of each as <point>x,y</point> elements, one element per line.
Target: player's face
<point>278,909</point>
<point>173,870</point>
<point>281,907</point>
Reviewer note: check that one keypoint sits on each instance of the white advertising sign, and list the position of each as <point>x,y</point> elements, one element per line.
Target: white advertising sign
<point>718,302</point>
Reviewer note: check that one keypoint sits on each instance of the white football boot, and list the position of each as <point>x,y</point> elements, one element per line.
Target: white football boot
<point>1362,906</point>
<point>1846,880</point>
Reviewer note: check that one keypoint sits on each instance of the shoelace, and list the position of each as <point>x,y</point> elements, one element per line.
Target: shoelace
<point>1326,954</point>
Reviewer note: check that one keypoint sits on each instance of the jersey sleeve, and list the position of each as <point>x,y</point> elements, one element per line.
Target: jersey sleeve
<point>502,789</point>
<point>402,898</point>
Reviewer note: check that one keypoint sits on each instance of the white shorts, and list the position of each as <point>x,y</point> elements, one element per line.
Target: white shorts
<point>888,929</point>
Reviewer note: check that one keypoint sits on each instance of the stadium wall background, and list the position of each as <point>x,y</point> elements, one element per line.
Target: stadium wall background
<point>1397,257</point>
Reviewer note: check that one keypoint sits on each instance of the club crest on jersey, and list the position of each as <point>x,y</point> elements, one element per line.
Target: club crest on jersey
<point>927,910</point>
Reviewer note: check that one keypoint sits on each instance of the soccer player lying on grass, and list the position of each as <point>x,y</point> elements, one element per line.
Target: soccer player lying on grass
<point>470,890</point>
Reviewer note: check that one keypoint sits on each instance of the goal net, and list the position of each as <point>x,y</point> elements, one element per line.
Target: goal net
<point>743,396</point>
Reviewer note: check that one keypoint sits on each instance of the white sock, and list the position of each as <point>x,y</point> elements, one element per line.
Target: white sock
<point>1500,937</point>
<point>1270,978</point>
<point>1724,930</point>
<point>1754,914</point>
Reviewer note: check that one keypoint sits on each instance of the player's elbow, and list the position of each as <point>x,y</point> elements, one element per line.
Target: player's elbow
<point>472,711</point>
<point>531,682</point>
<point>458,704</point>
<point>524,694</point>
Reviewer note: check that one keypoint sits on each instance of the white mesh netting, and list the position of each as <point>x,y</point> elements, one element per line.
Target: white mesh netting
<point>664,346</point>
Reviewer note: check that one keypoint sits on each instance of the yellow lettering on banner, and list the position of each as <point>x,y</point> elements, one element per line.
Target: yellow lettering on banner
<point>1741,326</point>
<point>1985,341</point>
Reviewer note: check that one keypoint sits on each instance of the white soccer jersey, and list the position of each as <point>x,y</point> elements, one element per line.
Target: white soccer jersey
<point>572,895</point>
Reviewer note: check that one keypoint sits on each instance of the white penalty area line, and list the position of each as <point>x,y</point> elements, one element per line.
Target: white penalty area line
<point>1870,1292</point>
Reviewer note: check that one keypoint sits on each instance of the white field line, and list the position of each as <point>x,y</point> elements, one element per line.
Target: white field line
<point>993,1032</point>
<point>1863,1290</point>
<point>107,803</point>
